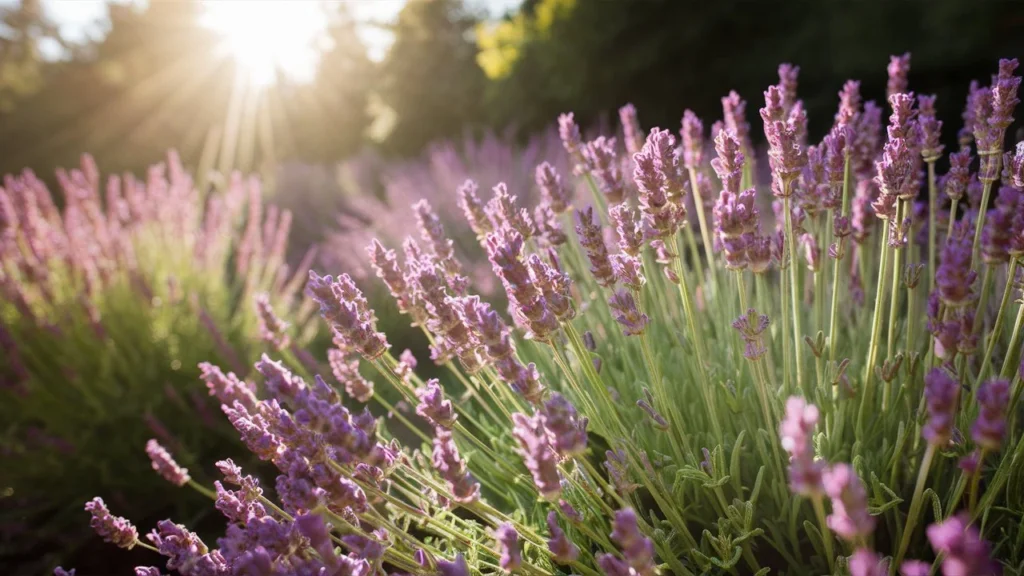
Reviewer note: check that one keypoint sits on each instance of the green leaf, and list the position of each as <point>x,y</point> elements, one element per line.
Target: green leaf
<point>728,564</point>
<point>814,535</point>
<point>936,504</point>
<point>717,483</point>
<point>734,464</point>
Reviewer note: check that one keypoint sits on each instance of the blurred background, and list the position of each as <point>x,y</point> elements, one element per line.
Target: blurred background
<point>348,112</point>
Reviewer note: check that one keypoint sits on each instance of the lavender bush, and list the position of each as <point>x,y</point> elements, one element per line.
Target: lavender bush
<point>112,294</point>
<point>834,390</point>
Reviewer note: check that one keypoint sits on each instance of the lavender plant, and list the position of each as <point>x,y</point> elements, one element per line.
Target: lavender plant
<point>112,294</point>
<point>837,395</point>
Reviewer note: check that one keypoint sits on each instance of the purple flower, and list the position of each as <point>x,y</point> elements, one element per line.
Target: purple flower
<point>113,529</point>
<point>227,388</point>
<point>692,135</point>
<point>434,407</point>
<point>628,271</point>
<point>626,313</point>
<point>958,175</point>
<point>630,232</point>
<point>728,163</point>
<point>450,466</point>
<point>569,132</point>
<point>632,133</point>
<point>657,178</point>
<point>964,552</point>
<point>502,211</point>
<point>186,553</point>
<point>563,551</point>
<point>603,164</point>
<point>864,562</point>
<point>990,427</point>
<point>805,474</point>
<point>508,544</point>
<point>612,566</point>
<point>750,326</point>
<point>617,466</point>
<point>592,240</point>
<point>165,465</point>
<point>280,382</point>
<point>954,277</point>
<point>273,330</point>
<point>456,567</point>
<point>504,250</point>
<point>788,78</point>
<point>636,548</point>
<point>58,571</point>
<point>929,127</point>
<point>1004,98</point>
<point>474,209</point>
<point>849,518</point>
<point>734,114</point>
<point>540,460</point>
<point>346,372</point>
<point>899,68</point>
<point>915,568</point>
<point>344,308</point>
<point>1015,167</point>
<point>552,190</point>
<point>566,430</point>
<point>849,104</point>
<point>940,393</point>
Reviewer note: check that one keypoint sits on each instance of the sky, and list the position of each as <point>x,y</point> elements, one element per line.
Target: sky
<point>81,19</point>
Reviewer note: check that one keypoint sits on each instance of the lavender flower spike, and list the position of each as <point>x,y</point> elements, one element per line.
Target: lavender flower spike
<point>508,543</point>
<point>552,190</point>
<point>537,455</point>
<point>273,330</point>
<point>626,313</point>
<point>805,474</point>
<point>636,548</point>
<point>434,407</point>
<point>165,465</point>
<point>864,562</point>
<point>456,567</point>
<point>450,466</point>
<point>113,529</point>
<point>849,518</point>
<point>692,134</point>
<point>563,551</point>
<point>990,427</point>
<point>344,308</point>
<point>964,552</point>
<point>592,240</point>
<point>940,390</point>
<point>899,68</point>
<point>566,430</point>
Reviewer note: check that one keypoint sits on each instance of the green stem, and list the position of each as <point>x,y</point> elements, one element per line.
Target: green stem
<point>1015,339</point>
<point>826,533</point>
<point>975,480</point>
<point>876,330</point>
<point>915,506</point>
<point>933,208</point>
<point>791,243</point>
<point>997,327</point>
<point>890,345</point>
<point>986,192</point>
<point>705,233</point>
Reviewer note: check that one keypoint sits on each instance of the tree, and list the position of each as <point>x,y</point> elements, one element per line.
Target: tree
<point>430,78</point>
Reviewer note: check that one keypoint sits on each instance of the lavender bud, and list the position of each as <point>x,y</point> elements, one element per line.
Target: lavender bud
<point>562,549</point>
<point>626,313</point>
<point>540,460</point>
<point>434,407</point>
<point>692,134</point>
<point>962,549</point>
<point>899,68</point>
<point>940,392</point>
<point>113,529</point>
<point>631,131</point>
<point>636,548</point>
<point>552,190</point>
<point>508,543</point>
<point>990,427</point>
<point>273,330</point>
<point>566,430</point>
<point>474,209</point>
<point>849,518</point>
<point>165,465</point>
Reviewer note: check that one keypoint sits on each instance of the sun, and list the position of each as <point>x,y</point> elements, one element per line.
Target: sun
<point>270,36</point>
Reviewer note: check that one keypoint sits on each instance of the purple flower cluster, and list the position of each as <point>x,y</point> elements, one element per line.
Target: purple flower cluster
<point>964,552</point>
<point>625,311</point>
<point>345,309</point>
<point>434,407</point>
<point>805,473</point>
<point>849,518</point>
<point>165,465</point>
<point>508,543</point>
<point>563,551</point>
<point>602,162</point>
<point>592,240</point>
<point>637,550</point>
<point>940,393</point>
<point>537,454</point>
<point>492,335</point>
<point>525,286</point>
<point>346,372</point>
<point>452,468</point>
<point>750,326</point>
<point>989,429</point>
<point>273,330</point>
<point>114,529</point>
